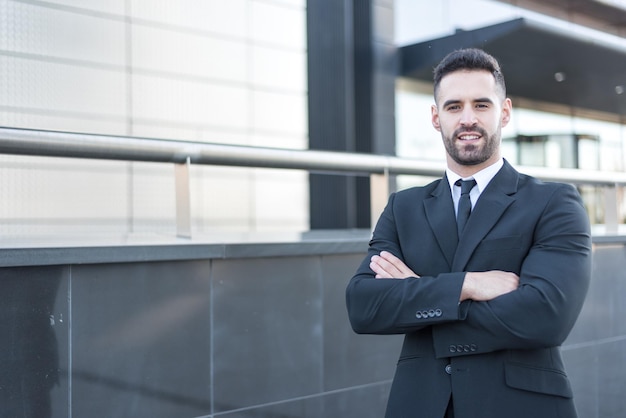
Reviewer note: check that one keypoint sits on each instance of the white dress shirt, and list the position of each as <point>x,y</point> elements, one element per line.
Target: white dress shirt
<point>483,177</point>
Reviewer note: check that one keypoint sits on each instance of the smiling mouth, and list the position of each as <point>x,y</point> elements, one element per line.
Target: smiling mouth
<point>468,137</point>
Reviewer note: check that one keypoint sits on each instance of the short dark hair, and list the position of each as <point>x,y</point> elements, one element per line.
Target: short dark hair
<point>468,59</point>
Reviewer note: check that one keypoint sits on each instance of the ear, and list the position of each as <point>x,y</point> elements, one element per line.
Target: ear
<point>434,114</point>
<point>507,108</point>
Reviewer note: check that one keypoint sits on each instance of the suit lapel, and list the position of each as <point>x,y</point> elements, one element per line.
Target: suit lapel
<point>492,203</point>
<point>440,215</point>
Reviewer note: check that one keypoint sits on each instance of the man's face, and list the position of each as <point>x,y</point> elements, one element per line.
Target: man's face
<point>470,112</point>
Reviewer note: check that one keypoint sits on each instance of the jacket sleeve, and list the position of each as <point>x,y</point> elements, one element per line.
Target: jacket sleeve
<point>554,280</point>
<point>398,306</point>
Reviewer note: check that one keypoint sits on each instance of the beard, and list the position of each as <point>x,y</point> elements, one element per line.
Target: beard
<point>472,154</point>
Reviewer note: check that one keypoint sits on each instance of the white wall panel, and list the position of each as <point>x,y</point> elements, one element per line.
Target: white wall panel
<point>222,199</point>
<point>163,131</point>
<point>106,6</point>
<point>271,23</point>
<point>35,84</point>
<point>281,200</point>
<point>157,49</point>
<point>37,193</point>
<point>165,99</point>
<point>280,69</point>
<point>153,196</point>
<point>224,71</point>
<point>215,16</point>
<point>45,120</point>
<point>278,112</point>
<point>299,142</point>
<point>291,3</point>
<point>50,33</point>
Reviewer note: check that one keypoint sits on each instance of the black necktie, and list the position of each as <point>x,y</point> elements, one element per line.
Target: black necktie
<point>465,205</point>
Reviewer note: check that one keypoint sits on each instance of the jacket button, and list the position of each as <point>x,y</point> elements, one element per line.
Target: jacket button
<point>473,347</point>
<point>431,313</point>
<point>448,369</point>
<point>437,312</point>
<point>418,314</point>
<point>452,348</point>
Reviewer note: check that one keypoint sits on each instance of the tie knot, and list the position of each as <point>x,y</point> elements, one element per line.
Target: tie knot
<point>466,185</point>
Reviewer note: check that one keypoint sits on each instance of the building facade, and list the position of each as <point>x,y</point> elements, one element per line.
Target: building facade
<point>218,71</point>
<point>270,73</point>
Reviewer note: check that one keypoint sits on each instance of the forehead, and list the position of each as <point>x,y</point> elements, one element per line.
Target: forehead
<point>467,84</point>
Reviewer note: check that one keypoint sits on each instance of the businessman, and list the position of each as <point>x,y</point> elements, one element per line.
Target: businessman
<point>484,271</point>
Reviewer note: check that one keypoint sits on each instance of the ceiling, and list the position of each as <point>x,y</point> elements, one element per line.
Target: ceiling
<point>539,62</point>
<point>598,14</point>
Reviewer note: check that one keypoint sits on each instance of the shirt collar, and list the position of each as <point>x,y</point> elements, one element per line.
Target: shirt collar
<point>483,177</point>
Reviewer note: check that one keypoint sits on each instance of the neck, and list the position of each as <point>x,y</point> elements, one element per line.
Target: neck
<point>466,171</point>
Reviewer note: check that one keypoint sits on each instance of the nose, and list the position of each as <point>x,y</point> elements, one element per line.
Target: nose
<point>468,117</point>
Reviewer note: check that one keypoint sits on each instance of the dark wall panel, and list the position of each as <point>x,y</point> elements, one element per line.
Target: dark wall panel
<point>238,337</point>
<point>141,340</point>
<point>595,352</point>
<point>267,330</point>
<point>351,359</point>
<point>33,342</point>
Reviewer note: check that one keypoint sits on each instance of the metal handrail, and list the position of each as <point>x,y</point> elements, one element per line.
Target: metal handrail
<point>80,145</point>
<point>183,153</point>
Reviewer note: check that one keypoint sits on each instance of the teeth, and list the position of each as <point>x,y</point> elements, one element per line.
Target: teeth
<point>468,137</point>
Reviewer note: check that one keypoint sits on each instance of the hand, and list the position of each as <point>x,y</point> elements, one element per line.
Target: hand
<point>487,285</point>
<point>388,266</point>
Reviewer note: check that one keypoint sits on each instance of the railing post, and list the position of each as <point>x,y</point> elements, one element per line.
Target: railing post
<point>183,199</point>
<point>379,193</point>
<point>611,209</point>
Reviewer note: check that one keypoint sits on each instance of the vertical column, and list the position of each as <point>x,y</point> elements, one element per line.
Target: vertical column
<point>351,73</point>
<point>611,210</point>
<point>183,199</point>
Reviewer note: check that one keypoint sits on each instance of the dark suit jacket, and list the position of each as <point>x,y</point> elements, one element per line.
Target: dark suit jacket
<point>498,359</point>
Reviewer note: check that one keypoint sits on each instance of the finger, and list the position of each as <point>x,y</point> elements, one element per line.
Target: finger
<point>383,269</point>
<point>397,266</point>
<point>379,270</point>
<point>390,268</point>
<point>392,264</point>
<point>386,255</point>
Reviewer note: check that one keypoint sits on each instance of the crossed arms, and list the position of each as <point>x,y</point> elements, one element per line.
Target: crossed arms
<point>532,304</point>
<point>477,286</point>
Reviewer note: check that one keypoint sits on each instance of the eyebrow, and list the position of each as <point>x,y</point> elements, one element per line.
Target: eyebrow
<point>479,100</point>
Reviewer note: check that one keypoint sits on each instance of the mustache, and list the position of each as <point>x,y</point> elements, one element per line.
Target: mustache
<point>476,129</point>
